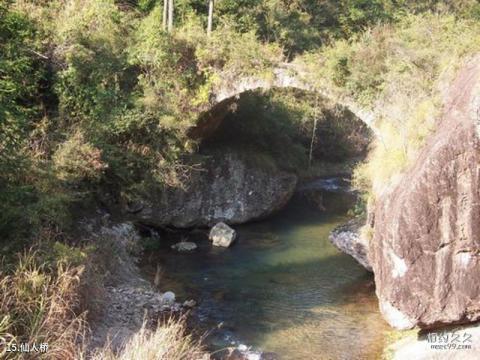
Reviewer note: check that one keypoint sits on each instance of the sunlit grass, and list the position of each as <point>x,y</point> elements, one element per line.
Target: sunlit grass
<point>38,305</point>
<point>168,341</point>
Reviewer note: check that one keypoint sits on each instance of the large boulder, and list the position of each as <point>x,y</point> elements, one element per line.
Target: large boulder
<point>222,235</point>
<point>425,252</point>
<point>226,189</point>
<point>347,239</point>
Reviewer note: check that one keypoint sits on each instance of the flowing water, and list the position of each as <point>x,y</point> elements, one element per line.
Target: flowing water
<point>282,287</point>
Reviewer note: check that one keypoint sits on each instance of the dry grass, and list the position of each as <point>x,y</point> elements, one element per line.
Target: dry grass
<point>38,302</point>
<point>45,297</point>
<point>168,341</point>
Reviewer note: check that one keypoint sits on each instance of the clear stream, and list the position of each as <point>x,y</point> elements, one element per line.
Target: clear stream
<point>282,287</point>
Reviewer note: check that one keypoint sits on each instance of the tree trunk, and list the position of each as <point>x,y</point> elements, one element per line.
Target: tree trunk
<point>312,142</point>
<point>165,14</point>
<point>170,15</point>
<point>314,131</point>
<point>211,4</point>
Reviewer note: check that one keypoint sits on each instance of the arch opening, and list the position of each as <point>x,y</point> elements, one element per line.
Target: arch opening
<point>294,130</point>
<point>284,76</point>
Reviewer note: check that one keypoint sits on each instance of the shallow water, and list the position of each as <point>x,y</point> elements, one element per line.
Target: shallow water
<point>282,287</point>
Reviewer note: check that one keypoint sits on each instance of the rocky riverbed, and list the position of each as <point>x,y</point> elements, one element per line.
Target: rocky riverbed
<point>128,298</point>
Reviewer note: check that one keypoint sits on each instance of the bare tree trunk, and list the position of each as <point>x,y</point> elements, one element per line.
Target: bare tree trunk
<point>312,142</point>
<point>170,15</point>
<point>310,155</point>
<point>211,4</point>
<point>165,14</point>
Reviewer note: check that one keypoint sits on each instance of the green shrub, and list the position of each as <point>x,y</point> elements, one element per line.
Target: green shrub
<point>91,39</point>
<point>77,160</point>
<point>21,73</point>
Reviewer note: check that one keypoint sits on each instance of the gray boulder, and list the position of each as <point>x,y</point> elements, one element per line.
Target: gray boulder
<point>347,239</point>
<point>228,188</point>
<point>189,303</point>
<point>168,298</point>
<point>222,235</point>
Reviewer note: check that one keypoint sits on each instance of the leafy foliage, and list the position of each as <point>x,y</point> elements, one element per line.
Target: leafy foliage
<point>94,95</point>
<point>20,75</point>
<point>22,72</point>
<point>77,160</point>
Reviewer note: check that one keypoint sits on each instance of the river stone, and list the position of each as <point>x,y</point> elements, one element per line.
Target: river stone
<point>347,239</point>
<point>189,303</point>
<point>425,252</point>
<point>235,354</point>
<point>184,246</point>
<point>168,298</point>
<point>227,189</point>
<point>269,356</point>
<point>222,235</point>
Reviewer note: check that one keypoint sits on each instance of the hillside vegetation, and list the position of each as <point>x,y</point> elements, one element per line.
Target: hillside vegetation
<point>95,95</point>
<point>398,71</point>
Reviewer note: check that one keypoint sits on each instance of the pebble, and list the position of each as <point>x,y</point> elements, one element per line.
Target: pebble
<point>168,298</point>
<point>190,303</point>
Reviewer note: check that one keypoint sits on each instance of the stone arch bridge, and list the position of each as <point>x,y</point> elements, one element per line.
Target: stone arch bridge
<point>285,75</point>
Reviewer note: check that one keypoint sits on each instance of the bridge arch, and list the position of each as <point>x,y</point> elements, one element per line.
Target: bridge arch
<point>286,75</point>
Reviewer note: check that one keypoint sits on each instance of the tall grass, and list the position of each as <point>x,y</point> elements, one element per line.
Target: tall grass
<point>38,303</point>
<point>168,341</point>
<point>46,295</point>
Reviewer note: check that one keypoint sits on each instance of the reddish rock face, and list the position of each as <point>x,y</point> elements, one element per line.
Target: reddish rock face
<point>426,249</point>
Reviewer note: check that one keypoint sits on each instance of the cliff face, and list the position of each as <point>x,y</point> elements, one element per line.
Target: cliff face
<point>227,189</point>
<point>426,249</point>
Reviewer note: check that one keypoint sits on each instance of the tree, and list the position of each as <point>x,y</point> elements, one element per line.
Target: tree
<point>20,75</point>
<point>22,71</point>
<point>170,15</point>
<point>165,14</point>
<point>211,4</point>
<point>314,132</point>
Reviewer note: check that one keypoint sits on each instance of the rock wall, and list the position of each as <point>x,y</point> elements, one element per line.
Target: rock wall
<point>426,249</point>
<point>227,189</point>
